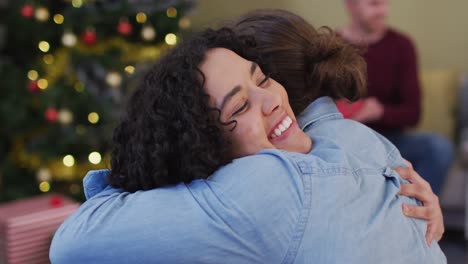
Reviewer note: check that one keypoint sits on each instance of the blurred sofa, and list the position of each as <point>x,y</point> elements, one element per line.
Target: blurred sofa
<point>445,111</point>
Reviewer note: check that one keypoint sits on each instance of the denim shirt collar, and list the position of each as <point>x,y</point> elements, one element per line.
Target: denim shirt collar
<point>320,109</point>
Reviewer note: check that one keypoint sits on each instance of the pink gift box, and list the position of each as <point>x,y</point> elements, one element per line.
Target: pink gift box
<point>27,227</point>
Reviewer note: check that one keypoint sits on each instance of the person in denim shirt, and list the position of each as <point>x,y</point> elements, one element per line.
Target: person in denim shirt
<point>320,204</point>
<point>311,63</point>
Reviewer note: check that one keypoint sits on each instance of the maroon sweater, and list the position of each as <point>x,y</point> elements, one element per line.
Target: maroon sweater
<point>393,79</point>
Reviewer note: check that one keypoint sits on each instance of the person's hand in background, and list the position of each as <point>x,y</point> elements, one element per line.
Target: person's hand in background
<point>371,110</point>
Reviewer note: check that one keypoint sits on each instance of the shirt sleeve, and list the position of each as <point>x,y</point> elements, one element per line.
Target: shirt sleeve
<point>247,211</point>
<point>394,158</point>
<point>407,112</point>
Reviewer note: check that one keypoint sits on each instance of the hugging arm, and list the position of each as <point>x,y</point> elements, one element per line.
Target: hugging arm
<point>420,189</point>
<point>430,210</point>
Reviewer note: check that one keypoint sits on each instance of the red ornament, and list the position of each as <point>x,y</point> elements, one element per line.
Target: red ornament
<point>89,37</point>
<point>124,27</point>
<point>27,11</point>
<point>51,114</point>
<point>33,87</point>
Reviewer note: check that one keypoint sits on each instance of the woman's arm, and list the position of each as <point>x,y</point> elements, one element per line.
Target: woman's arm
<point>419,189</point>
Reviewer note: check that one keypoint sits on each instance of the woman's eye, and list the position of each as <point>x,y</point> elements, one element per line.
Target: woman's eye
<point>244,106</point>
<point>264,81</point>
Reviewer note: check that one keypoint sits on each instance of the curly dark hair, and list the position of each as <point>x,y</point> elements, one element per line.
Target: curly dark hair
<point>309,63</point>
<point>168,133</point>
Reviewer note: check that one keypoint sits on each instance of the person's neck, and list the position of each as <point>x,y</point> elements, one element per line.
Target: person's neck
<point>358,35</point>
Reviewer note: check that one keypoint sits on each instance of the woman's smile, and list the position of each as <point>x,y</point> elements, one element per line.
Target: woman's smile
<point>256,106</point>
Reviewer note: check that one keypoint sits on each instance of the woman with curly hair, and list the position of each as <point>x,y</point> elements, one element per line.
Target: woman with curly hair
<point>288,196</point>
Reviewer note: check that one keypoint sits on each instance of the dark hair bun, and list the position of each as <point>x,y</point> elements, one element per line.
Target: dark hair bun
<point>336,68</point>
<point>309,63</point>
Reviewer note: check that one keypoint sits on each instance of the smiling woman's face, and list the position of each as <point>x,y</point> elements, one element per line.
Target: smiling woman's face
<point>258,104</point>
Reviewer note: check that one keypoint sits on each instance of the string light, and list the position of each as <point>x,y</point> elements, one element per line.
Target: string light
<point>113,79</point>
<point>44,46</point>
<point>129,69</point>
<point>65,116</point>
<point>69,39</point>
<point>93,117</point>
<point>184,23</point>
<point>69,161</point>
<point>77,3</point>
<point>42,14</point>
<point>171,12</point>
<point>44,186</point>
<point>43,175</point>
<point>43,84</point>
<point>33,75</point>
<point>94,157</point>
<point>58,19</point>
<point>79,87</point>
<point>171,39</point>
<point>48,59</point>
<point>141,17</point>
<point>148,33</point>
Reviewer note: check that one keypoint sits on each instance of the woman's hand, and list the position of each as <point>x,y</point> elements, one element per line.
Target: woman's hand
<point>430,211</point>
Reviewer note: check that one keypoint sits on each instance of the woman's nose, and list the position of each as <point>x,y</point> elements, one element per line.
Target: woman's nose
<point>271,101</point>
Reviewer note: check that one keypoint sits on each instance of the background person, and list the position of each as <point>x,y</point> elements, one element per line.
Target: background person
<point>393,102</point>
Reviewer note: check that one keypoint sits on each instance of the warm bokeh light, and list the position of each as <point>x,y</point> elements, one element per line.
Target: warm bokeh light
<point>33,75</point>
<point>113,79</point>
<point>171,39</point>
<point>184,23</point>
<point>77,3</point>
<point>79,87</point>
<point>44,46</point>
<point>148,33</point>
<point>93,117</point>
<point>94,157</point>
<point>48,59</point>
<point>44,186</point>
<point>43,175</point>
<point>69,39</point>
<point>58,19</point>
<point>171,12</point>
<point>42,84</point>
<point>129,69</point>
<point>42,14</point>
<point>65,116</point>
<point>141,18</point>
<point>69,161</point>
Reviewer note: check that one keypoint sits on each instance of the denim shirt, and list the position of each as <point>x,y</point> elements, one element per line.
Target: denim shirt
<point>337,204</point>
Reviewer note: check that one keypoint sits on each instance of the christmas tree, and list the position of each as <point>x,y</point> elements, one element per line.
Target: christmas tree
<point>66,67</point>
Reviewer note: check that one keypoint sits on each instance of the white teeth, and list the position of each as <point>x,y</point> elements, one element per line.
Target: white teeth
<point>285,124</point>
<point>277,132</point>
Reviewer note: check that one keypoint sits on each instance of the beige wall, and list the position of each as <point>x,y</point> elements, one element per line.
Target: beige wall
<point>439,28</point>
